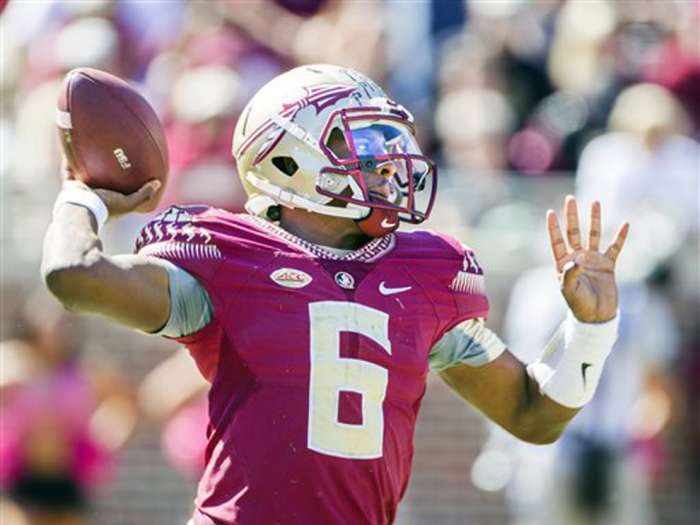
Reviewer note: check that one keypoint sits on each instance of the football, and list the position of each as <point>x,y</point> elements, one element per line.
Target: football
<point>111,136</point>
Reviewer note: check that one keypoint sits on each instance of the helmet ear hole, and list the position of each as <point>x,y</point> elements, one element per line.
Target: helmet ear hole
<point>273,213</point>
<point>286,165</point>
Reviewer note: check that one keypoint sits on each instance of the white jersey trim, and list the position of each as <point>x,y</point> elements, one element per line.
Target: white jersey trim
<point>181,250</point>
<point>368,253</point>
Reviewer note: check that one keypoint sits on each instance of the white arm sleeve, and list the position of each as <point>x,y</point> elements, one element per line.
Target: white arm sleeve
<point>190,306</point>
<point>469,343</point>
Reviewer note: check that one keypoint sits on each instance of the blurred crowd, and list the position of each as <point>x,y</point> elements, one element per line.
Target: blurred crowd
<point>517,100</point>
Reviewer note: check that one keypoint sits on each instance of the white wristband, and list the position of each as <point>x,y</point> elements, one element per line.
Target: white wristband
<point>79,196</point>
<point>573,380</point>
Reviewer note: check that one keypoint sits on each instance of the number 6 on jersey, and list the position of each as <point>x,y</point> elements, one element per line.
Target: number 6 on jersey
<point>331,374</point>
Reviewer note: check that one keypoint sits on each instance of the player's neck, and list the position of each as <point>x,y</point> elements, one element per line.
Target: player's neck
<point>335,232</point>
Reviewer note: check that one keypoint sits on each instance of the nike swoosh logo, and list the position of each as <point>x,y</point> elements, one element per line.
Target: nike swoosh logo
<point>386,224</point>
<point>385,290</point>
<point>584,367</point>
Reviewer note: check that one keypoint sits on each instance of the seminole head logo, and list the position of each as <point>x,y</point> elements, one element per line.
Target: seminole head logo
<point>319,97</point>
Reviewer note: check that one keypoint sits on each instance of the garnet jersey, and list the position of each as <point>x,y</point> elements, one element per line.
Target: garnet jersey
<point>318,362</point>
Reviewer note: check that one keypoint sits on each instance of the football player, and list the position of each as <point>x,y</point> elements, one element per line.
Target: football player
<point>315,321</point>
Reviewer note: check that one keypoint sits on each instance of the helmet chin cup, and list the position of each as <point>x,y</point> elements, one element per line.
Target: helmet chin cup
<point>379,222</point>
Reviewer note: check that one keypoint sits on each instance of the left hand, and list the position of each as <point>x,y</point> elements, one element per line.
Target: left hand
<point>587,276</point>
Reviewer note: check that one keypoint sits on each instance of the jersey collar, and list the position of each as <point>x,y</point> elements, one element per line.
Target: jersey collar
<point>370,252</point>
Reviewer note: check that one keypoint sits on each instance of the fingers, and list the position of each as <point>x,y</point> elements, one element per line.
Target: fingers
<point>564,254</point>
<point>573,233</point>
<point>118,203</point>
<point>615,248</point>
<point>555,239</point>
<point>594,231</point>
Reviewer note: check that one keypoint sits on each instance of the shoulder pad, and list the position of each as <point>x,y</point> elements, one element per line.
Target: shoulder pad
<point>180,228</point>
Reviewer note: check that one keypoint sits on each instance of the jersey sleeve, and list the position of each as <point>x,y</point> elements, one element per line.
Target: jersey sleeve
<point>460,291</point>
<point>186,237</point>
<point>190,238</point>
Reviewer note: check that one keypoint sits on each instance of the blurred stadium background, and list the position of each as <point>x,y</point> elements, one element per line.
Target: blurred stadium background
<point>520,102</point>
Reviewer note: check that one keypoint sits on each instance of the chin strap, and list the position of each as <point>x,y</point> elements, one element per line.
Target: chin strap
<point>379,222</point>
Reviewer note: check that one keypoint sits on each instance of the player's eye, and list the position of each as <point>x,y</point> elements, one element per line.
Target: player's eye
<point>337,144</point>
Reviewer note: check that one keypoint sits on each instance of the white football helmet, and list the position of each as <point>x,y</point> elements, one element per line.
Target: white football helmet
<point>309,137</point>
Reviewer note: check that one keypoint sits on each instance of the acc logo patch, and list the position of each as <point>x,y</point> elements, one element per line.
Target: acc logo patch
<point>291,278</point>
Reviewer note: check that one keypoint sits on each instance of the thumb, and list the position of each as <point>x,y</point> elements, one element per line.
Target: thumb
<point>144,193</point>
<point>571,271</point>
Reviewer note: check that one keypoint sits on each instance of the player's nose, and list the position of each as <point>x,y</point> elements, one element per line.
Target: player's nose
<point>381,180</point>
<point>386,170</point>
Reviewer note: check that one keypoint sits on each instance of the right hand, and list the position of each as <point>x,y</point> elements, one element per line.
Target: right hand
<point>587,274</point>
<point>117,203</point>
